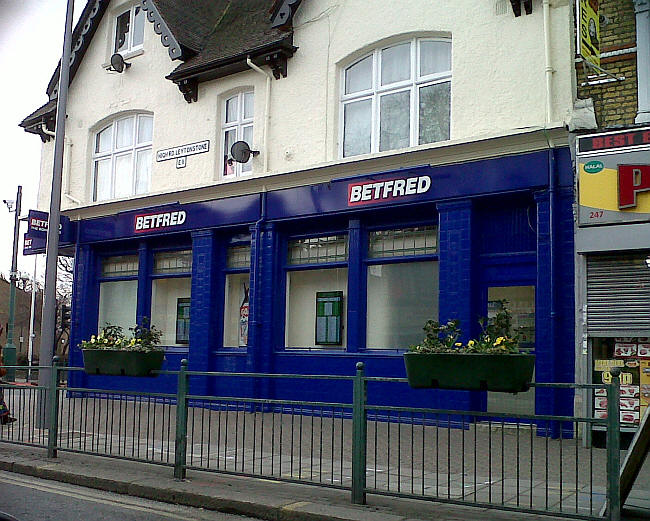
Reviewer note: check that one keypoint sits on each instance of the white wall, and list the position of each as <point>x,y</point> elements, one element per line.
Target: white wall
<point>497,85</point>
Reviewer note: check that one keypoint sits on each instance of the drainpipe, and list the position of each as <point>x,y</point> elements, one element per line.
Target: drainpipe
<point>551,240</point>
<point>66,155</point>
<point>546,7</point>
<point>267,109</point>
<point>642,11</point>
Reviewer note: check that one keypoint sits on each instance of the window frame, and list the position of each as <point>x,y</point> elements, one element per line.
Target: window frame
<point>240,170</point>
<point>368,261</point>
<point>286,268</point>
<point>234,270</point>
<point>130,48</point>
<point>413,85</point>
<point>180,274</point>
<point>114,152</point>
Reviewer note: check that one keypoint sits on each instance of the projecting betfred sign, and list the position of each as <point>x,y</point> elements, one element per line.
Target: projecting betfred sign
<point>372,192</point>
<point>614,177</point>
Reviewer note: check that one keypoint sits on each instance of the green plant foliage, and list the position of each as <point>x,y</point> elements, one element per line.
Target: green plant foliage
<point>142,339</point>
<point>496,337</point>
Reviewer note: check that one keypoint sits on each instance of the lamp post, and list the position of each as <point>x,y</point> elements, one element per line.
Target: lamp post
<point>9,351</point>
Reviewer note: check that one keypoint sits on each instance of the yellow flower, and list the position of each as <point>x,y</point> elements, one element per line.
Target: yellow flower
<point>499,340</point>
<point>470,343</point>
<point>458,344</point>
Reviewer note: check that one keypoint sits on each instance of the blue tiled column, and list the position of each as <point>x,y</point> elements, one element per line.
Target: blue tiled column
<point>205,328</point>
<point>84,309</point>
<point>544,341</point>
<point>356,325</point>
<point>144,284</point>
<point>262,341</point>
<point>456,295</point>
<point>457,291</point>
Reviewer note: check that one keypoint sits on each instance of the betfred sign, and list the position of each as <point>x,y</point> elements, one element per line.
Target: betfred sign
<point>372,192</point>
<point>158,221</point>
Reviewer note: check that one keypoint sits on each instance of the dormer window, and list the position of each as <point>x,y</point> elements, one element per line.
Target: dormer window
<point>129,30</point>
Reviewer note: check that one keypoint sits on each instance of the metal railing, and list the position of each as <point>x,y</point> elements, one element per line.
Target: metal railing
<point>528,463</point>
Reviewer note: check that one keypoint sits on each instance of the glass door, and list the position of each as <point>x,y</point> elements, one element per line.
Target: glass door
<point>520,301</point>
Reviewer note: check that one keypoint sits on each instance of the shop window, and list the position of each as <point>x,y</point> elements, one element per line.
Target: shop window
<point>129,30</point>
<point>317,278</point>
<point>122,158</point>
<point>237,288</point>
<point>305,293</point>
<point>170,296</point>
<point>396,97</point>
<point>401,294</point>
<point>118,298</point>
<point>238,113</point>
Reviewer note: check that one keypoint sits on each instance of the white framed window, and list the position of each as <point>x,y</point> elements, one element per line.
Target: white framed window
<point>237,125</point>
<point>129,30</point>
<point>397,96</point>
<point>122,157</point>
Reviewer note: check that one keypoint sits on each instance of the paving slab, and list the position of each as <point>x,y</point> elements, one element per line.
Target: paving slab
<point>263,499</point>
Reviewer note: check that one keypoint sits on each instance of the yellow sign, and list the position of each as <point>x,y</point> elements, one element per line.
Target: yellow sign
<point>625,378</point>
<point>590,32</point>
<point>604,365</point>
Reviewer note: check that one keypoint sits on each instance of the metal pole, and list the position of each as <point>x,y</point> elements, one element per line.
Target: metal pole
<point>32,335</point>
<point>53,413</point>
<point>614,447</point>
<point>48,322</point>
<point>180,456</point>
<point>10,347</point>
<point>359,437</point>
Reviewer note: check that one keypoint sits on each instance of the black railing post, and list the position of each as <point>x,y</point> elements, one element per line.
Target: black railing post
<point>359,437</point>
<point>180,456</point>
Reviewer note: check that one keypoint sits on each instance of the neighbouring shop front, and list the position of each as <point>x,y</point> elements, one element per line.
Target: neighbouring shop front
<point>613,242</point>
<point>312,279</point>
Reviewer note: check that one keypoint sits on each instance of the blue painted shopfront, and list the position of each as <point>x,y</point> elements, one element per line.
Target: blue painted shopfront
<point>503,221</point>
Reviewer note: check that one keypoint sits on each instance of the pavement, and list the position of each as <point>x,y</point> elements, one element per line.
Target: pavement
<point>259,498</point>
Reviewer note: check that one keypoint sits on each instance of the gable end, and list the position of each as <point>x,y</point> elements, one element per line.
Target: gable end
<point>160,27</point>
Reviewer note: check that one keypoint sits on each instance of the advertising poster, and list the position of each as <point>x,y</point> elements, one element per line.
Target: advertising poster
<point>589,31</point>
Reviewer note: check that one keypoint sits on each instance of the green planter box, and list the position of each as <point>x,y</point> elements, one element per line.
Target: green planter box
<point>117,362</point>
<point>470,371</point>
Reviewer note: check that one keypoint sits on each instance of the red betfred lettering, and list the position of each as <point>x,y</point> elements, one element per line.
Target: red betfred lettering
<point>374,191</point>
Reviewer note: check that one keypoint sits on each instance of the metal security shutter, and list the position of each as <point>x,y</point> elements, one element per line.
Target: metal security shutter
<point>618,295</point>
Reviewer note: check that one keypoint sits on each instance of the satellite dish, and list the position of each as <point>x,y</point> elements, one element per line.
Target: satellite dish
<point>118,64</point>
<point>241,152</point>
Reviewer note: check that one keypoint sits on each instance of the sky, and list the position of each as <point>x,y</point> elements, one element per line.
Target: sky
<point>31,43</point>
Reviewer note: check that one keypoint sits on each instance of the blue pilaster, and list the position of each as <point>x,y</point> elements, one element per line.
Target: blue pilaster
<point>456,284</point>
<point>455,301</point>
<point>145,260</point>
<point>205,327</point>
<point>356,326</point>
<point>85,297</point>
<point>265,311</point>
<point>544,337</point>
